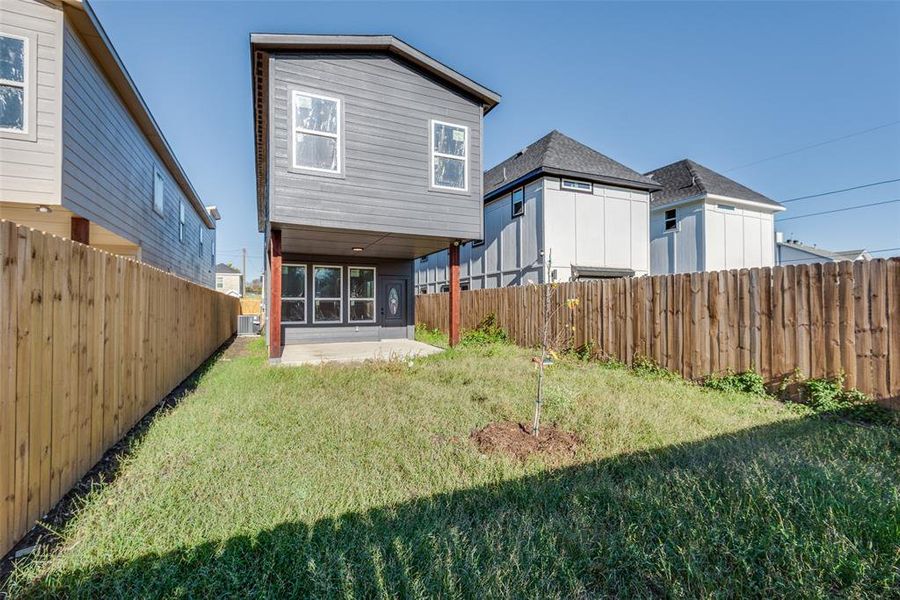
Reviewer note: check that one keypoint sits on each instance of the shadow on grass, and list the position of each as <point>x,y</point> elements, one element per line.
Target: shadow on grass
<point>105,471</point>
<point>806,507</point>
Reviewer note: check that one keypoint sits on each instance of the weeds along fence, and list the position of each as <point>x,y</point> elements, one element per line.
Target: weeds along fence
<point>813,320</point>
<point>89,343</point>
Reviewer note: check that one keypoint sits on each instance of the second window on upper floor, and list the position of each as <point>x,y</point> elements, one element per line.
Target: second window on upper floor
<point>316,132</point>
<point>449,156</point>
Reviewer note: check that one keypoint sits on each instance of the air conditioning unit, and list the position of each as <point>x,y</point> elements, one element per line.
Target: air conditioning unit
<point>248,325</point>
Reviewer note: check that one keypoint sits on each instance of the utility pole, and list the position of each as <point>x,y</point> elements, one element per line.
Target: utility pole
<point>244,271</point>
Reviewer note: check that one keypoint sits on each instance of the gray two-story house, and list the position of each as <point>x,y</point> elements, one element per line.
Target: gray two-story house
<point>368,155</point>
<point>81,156</point>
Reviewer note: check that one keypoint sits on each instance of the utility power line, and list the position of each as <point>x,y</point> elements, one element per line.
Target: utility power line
<point>811,146</point>
<point>849,189</point>
<point>837,210</point>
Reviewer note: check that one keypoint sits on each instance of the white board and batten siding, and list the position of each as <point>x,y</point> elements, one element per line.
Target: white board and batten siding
<point>384,183</point>
<point>607,228</point>
<point>738,238</point>
<point>108,173</point>
<point>29,162</point>
<point>711,236</point>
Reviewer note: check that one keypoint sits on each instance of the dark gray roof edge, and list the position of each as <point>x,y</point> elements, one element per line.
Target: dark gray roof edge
<point>223,269</point>
<point>384,43</point>
<point>554,172</point>
<point>160,144</point>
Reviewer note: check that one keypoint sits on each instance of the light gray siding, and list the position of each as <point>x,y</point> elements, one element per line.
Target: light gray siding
<point>510,255</point>
<point>108,172</point>
<point>29,163</point>
<point>385,182</point>
<point>679,250</point>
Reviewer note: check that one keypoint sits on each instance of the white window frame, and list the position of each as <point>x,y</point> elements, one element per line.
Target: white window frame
<point>181,219</point>
<point>25,85</point>
<point>572,186</point>
<point>159,203</point>
<point>340,287</point>
<point>434,153</point>
<point>335,136</point>
<point>374,297</point>
<point>512,203</point>
<point>200,232</point>
<point>305,291</point>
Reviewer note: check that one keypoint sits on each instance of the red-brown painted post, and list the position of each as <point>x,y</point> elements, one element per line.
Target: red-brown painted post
<point>454,293</point>
<point>275,295</point>
<point>81,230</point>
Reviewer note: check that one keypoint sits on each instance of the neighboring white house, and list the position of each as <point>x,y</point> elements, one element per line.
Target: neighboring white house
<point>792,252</point>
<point>703,221</point>
<point>559,201</point>
<point>229,280</point>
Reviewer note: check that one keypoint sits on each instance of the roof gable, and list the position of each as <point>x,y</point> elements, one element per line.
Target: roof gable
<point>687,179</point>
<point>222,269</point>
<point>558,154</point>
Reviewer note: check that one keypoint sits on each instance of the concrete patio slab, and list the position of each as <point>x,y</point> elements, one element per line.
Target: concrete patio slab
<point>315,354</point>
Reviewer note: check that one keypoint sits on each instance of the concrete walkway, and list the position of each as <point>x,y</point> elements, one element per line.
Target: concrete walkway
<point>314,354</point>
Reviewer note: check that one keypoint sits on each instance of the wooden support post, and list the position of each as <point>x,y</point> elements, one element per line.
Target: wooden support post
<point>454,293</point>
<point>274,315</point>
<point>81,230</point>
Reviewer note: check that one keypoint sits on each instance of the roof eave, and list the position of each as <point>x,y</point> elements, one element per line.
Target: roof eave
<point>274,42</point>
<point>554,172</point>
<point>88,26</point>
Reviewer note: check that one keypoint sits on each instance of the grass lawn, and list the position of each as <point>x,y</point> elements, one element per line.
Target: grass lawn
<point>361,481</point>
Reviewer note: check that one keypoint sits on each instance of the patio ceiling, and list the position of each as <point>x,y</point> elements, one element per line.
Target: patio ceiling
<point>341,242</point>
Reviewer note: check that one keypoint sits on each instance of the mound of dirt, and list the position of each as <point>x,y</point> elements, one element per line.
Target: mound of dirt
<point>515,439</point>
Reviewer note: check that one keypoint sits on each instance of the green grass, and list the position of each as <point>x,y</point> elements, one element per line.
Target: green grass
<point>361,482</point>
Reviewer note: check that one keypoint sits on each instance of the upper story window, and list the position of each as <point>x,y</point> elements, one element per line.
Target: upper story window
<point>317,132</point>
<point>14,88</point>
<point>159,185</point>
<point>726,207</point>
<point>449,156</point>
<point>518,202</point>
<point>200,230</point>
<point>181,222</point>
<point>671,220</point>
<point>577,186</point>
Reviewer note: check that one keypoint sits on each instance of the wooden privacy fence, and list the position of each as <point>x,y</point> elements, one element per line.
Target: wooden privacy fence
<point>89,343</point>
<point>819,319</point>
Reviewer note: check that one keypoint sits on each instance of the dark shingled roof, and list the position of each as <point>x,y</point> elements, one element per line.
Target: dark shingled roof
<point>223,268</point>
<point>558,154</point>
<point>685,178</point>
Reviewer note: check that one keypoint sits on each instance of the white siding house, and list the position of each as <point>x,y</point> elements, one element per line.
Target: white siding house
<point>703,221</point>
<point>557,203</point>
<point>793,252</point>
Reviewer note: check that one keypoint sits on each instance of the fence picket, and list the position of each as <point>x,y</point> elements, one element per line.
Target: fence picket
<point>75,354</point>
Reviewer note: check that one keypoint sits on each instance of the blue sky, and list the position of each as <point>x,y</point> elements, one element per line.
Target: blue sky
<point>726,84</point>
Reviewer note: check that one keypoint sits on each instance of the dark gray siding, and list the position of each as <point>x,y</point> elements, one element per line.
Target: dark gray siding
<point>387,108</point>
<point>107,173</point>
<point>346,331</point>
